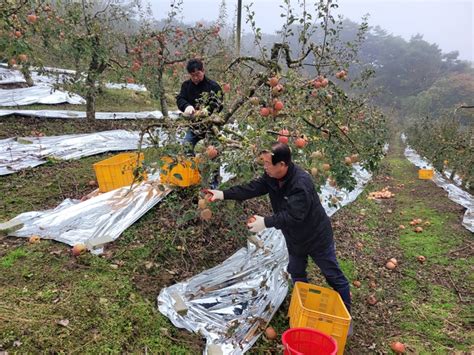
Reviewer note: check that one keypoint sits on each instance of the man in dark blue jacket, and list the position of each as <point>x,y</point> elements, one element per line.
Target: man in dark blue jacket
<point>298,213</point>
<point>198,94</point>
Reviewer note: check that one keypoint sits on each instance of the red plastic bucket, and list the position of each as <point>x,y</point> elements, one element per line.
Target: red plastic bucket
<point>299,341</point>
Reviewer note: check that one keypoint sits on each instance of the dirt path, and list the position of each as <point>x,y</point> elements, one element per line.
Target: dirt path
<point>425,306</point>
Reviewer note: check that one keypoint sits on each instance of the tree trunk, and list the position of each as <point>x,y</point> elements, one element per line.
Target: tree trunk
<point>90,106</point>
<point>27,75</point>
<point>96,67</point>
<point>90,100</point>
<point>161,95</point>
<point>163,103</point>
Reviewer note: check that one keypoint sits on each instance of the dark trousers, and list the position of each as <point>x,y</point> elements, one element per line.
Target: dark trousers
<point>327,262</point>
<point>191,139</point>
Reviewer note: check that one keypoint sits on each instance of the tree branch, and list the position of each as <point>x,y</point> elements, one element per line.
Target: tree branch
<point>266,64</point>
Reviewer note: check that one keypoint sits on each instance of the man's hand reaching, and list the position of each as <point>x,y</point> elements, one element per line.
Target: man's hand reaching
<point>214,195</point>
<point>258,225</point>
<point>189,111</point>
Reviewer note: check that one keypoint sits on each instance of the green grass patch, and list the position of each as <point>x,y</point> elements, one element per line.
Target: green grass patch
<point>348,268</point>
<point>435,239</point>
<point>431,312</point>
<point>104,312</point>
<point>432,320</point>
<point>22,192</point>
<point>9,260</point>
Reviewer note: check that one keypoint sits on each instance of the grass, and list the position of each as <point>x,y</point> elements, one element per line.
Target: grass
<point>9,260</point>
<point>25,194</point>
<point>109,301</point>
<point>103,310</point>
<point>432,320</point>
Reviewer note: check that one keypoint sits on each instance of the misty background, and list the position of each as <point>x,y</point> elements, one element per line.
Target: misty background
<point>447,23</point>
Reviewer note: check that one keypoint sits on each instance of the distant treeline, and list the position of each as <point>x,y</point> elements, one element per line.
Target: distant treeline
<point>415,77</point>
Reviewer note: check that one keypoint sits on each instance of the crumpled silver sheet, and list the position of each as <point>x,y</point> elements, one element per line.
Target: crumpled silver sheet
<point>38,94</point>
<point>362,177</point>
<point>447,173</point>
<point>225,302</point>
<point>96,221</point>
<point>456,179</point>
<point>229,303</point>
<point>82,114</point>
<point>134,87</point>
<point>9,76</point>
<point>51,76</point>
<point>17,154</point>
<point>455,193</point>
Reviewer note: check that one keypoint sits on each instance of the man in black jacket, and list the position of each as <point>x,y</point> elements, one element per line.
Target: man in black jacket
<point>298,213</point>
<point>198,94</point>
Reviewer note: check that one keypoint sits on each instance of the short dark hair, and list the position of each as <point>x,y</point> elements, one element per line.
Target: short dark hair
<point>194,65</point>
<point>281,152</point>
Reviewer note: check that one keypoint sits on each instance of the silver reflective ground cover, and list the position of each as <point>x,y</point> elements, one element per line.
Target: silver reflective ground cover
<point>96,221</point>
<point>51,76</point>
<point>37,94</point>
<point>134,87</point>
<point>20,153</point>
<point>82,114</point>
<point>230,303</point>
<point>9,76</point>
<point>345,197</point>
<point>455,193</point>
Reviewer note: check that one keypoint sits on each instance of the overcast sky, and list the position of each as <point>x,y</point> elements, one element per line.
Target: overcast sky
<point>449,23</point>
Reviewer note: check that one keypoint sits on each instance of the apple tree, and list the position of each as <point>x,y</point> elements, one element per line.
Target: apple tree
<point>303,100</point>
<point>158,56</point>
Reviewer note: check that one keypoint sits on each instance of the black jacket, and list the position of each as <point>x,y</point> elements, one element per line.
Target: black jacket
<point>297,210</point>
<point>190,94</point>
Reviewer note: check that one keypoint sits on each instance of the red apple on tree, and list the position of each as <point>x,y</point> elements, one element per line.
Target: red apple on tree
<point>273,81</point>
<point>278,105</point>
<point>211,152</point>
<point>283,137</point>
<point>300,142</point>
<point>136,66</point>
<point>32,18</point>
<point>316,84</point>
<point>264,111</point>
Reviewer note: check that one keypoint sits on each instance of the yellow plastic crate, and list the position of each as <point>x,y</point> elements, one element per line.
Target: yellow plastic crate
<point>182,172</point>
<point>425,174</point>
<point>322,309</point>
<point>116,171</point>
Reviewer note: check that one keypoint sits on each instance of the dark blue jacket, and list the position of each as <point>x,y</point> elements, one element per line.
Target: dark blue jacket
<point>297,210</point>
<point>191,93</point>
